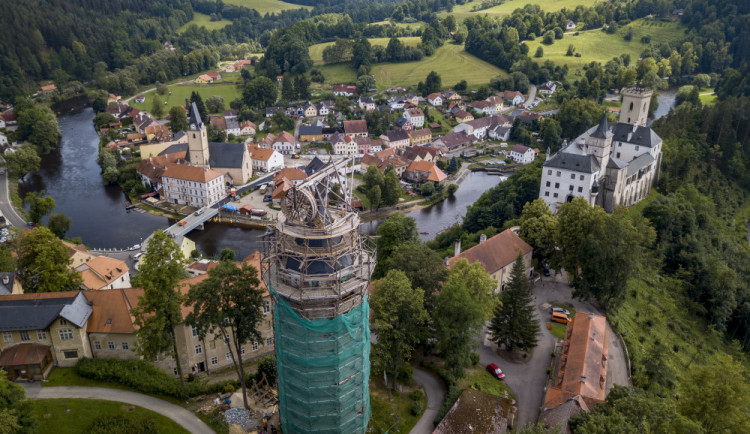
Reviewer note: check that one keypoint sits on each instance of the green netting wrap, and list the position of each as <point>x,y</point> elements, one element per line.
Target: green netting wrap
<point>324,369</point>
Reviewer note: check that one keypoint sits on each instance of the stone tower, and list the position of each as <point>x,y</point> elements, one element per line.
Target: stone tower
<point>600,144</point>
<point>635,102</point>
<point>197,139</point>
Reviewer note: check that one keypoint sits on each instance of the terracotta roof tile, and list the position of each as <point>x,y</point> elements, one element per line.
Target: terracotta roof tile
<point>496,252</point>
<point>189,173</point>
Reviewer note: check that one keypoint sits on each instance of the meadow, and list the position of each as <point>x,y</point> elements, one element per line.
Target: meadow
<point>507,8</point>
<point>316,51</point>
<point>179,92</point>
<point>203,20</point>
<point>450,61</point>
<point>599,46</point>
<point>266,6</point>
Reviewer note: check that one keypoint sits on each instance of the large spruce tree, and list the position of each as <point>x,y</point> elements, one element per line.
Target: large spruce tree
<point>514,323</point>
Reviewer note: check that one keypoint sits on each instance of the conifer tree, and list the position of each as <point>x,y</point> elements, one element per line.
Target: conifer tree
<point>514,323</point>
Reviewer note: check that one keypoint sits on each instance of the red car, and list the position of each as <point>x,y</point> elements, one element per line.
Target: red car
<point>495,371</point>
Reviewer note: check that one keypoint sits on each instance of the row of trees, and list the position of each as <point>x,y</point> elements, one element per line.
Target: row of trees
<point>381,189</point>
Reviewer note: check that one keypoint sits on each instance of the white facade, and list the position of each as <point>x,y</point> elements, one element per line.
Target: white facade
<point>561,185</point>
<point>272,164</point>
<point>193,193</point>
<point>416,117</point>
<point>468,128</point>
<point>436,100</point>
<point>3,139</point>
<point>284,147</point>
<point>522,154</point>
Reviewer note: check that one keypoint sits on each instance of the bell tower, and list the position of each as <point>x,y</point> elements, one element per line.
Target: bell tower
<point>600,144</point>
<point>635,102</point>
<point>197,139</point>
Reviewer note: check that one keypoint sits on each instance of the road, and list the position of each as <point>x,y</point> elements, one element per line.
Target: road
<point>532,96</point>
<point>435,391</point>
<point>181,416</point>
<point>6,204</point>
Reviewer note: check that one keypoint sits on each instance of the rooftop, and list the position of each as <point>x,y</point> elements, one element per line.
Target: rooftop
<point>495,253</point>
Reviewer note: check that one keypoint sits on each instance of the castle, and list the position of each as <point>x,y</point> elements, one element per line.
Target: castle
<point>608,165</point>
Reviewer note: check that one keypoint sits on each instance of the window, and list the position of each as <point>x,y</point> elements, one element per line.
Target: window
<point>7,337</point>
<point>110,345</point>
<point>558,173</point>
<point>214,361</point>
<point>255,346</point>
<point>572,176</point>
<point>557,185</point>
<point>546,193</point>
<point>125,345</point>
<point>73,354</point>
<point>554,195</point>
<point>63,322</point>
<point>41,335</point>
<point>242,350</point>
<point>198,349</point>
<point>66,334</point>
<point>570,188</point>
<point>226,339</point>
<point>266,307</point>
<point>631,106</point>
<point>618,155</point>
<point>229,356</point>
<point>581,178</point>
<point>580,189</point>
<point>548,183</point>
<point>549,172</point>
<point>269,341</point>
<point>97,345</point>
<point>24,336</point>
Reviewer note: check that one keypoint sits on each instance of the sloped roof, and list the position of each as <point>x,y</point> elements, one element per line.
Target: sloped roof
<point>521,149</point>
<point>416,111</point>
<point>637,135</point>
<point>290,173</point>
<point>7,288</point>
<point>36,311</point>
<point>261,154</point>
<point>575,162</point>
<point>226,155</point>
<point>102,270</point>
<point>284,137</point>
<point>476,412</point>
<point>314,166</point>
<point>435,174</point>
<point>495,253</point>
<point>27,353</point>
<point>396,135</point>
<point>355,127</point>
<point>422,132</point>
<point>112,310</point>
<point>312,130</point>
<point>602,130</point>
<point>190,173</point>
<point>463,114</point>
<point>639,163</point>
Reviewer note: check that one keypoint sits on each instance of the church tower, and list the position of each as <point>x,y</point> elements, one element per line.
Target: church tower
<point>197,139</point>
<point>600,144</point>
<point>635,102</point>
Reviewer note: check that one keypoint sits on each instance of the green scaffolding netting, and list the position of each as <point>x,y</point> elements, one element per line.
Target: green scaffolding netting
<point>324,369</point>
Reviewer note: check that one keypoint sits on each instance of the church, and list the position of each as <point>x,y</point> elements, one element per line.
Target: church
<point>608,165</point>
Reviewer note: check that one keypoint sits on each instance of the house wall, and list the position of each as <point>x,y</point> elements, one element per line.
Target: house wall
<point>124,345</point>
<point>502,276</point>
<point>556,186</point>
<point>79,343</point>
<point>193,193</point>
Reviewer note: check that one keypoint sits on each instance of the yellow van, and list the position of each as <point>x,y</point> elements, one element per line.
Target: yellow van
<point>560,318</point>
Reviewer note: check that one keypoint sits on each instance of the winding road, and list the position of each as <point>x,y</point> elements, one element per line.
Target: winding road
<point>6,204</point>
<point>435,391</point>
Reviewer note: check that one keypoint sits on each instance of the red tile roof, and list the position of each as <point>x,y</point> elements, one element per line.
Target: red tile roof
<point>190,173</point>
<point>28,353</point>
<point>355,127</point>
<point>495,253</point>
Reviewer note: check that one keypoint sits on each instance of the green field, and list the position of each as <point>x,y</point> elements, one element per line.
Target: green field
<point>63,416</point>
<point>596,45</point>
<point>463,11</point>
<point>228,91</point>
<point>388,22</point>
<point>203,20</point>
<point>316,51</point>
<point>266,6</point>
<point>450,61</point>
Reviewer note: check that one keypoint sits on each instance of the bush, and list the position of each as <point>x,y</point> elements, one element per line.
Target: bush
<point>452,188</point>
<point>416,408</point>
<point>118,423</point>
<point>539,51</point>
<point>450,398</point>
<point>474,358</point>
<point>416,395</point>
<point>406,372</point>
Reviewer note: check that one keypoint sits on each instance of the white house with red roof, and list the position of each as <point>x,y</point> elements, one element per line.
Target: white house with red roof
<point>522,154</point>
<point>190,185</point>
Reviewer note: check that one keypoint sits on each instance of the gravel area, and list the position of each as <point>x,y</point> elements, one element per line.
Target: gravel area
<point>241,417</point>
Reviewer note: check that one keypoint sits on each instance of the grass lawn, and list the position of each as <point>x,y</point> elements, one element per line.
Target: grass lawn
<point>316,51</point>
<point>226,90</point>
<point>596,45</point>
<point>450,61</point>
<point>708,98</point>
<point>388,22</point>
<point>463,11</point>
<point>266,6</point>
<point>203,20</point>
<point>62,416</point>
<point>381,420</point>
<point>478,378</point>
<point>558,330</point>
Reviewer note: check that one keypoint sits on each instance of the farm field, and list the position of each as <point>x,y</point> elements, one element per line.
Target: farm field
<point>596,45</point>
<point>266,6</point>
<point>450,61</point>
<point>228,91</point>
<point>316,51</point>
<point>388,22</point>
<point>63,416</point>
<point>203,20</point>
<point>463,11</point>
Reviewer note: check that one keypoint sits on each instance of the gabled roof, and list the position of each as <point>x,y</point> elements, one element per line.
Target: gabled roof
<point>190,173</point>
<point>336,138</point>
<point>521,149</point>
<point>422,132</point>
<point>261,154</point>
<point>36,311</point>
<point>290,173</point>
<point>314,166</point>
<point>463,114</point>
<point>101,271</point>
<point>574,162</point>
<point>435,174</point>
<point>226,155</point>
<point>312,130</point>
<point>495,253</point>
<point>396,135</point>
<point>636,135</point>
<point>639,163</point>
<point>26,353</point>
<point>455,140</point>
<point>355,127</point>
<point>476,412</point>
<point>284,136</point>
<point>112,310</point>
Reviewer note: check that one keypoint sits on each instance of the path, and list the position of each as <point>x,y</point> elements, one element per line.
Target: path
<point>181,416</point>
<point>126,101</point>
<point>435,391</point>
<point>6,204</point>
<point>532,96</point>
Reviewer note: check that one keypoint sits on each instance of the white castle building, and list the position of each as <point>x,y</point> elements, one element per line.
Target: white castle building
<point>608,165</point>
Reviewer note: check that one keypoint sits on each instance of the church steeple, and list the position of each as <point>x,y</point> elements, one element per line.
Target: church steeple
<point>600,143</point>
<point>197,138</point>
<point>602,130</point>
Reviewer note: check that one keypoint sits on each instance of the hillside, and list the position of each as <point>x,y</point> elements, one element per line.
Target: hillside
<point>316,51</point>
<point>266,6</point>
<point>507,7</point>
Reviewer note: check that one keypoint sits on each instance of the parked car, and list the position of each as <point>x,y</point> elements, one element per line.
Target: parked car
<point>560,317</point>
<point>545,271</point>
<point>200,211</point>
<point>495,371</point>
<point>267,198</point>
<point>554,309</point>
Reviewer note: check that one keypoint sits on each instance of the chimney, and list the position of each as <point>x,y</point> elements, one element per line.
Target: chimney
<point>457,248</point>
<point>482,238</point>
<point>6,280</point>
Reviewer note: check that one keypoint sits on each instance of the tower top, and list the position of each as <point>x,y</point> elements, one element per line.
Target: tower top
<point>602,131</point>
<point>637,92</point>
<point>194,120</point>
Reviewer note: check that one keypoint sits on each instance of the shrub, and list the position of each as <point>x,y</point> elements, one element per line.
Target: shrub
<point>539,51</point>
<point>118,423</point>
<point>577,55</point>
<point>416,395</point>
<point>228,388</point>
<point>417,408</point>
<point>474,358</point>
<point>450,398</point>
<point>406,372</point>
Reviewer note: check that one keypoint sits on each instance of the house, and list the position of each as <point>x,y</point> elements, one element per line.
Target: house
<point>9,284</point>
<point>454,141</point>
<point>103,272</point>
<point>395,139</point>
<point>230,159</point>
<point>310,110</point>
<point>582,372</point>
<point>204,79</point>
<point>549,87</point>
<point>329,131</point>
<point>483,107</point>
<point>48,88</point>
<point>355,128</point>
<point>496,101</point>
<point>151,169</point>
<point>451,96</point>
<point>478,412</point>
<point>570,25</point>
<point>412,99</point>
<point>140,99</point>
<point>344,90</point>
<point>266,160</point>
<point>314,166</point>
<point>365,145</point>
<point>366,103</point>
<point>338,144</point>
<point>496,254</point>
<point>424,171</point>
<point>78,254</point>
<point>404,124</point>
<point>399,164</point>
<point>514,97</point>
<point>367,161</point>
<point>500,133</point>
<point>418,153</point>
<point>463,116</point>
<point>292,174</point>
<point>396,103</point>
<point>522,154</point>
<point>421,136</point>
<point>3,139</point>
<point>247,128</point>
<point>193,186</point>
<point>233,126</point>
<point>214,75</point>
<point>312,133</point>
<point>285,144</point>
<point>415,116</point>
<point>436,99</point>
<point>480,127</point>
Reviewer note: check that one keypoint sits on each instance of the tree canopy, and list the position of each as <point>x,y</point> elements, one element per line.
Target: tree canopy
<point>43,263</point>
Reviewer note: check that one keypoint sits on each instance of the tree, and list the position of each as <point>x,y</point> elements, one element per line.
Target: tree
<point>427,189</point>
<point>571,50</point>
<point>461,86</point>
<point>721,403</point>
<point>157,107</point>
<point>422,266</point>
<point>196,98</point>
<point>539,51</point>
<point>453,165</point>
<point>259,92</point>
<point>480,285</point>
<point>539,228</point>
<point>159,310</point>
<point>16,412</point>
<point>365,82</point>
<point>38,125</point>
<point>394,231</point>
<point>452,188</point>
<point>215,134</point>
<point>551,134</point>
<point>514,324</point>
<point>228,304</point>
<point>391,188</point>
<point>161,88</point>
<point>302,87</point>
<point>39,206</point>
<point>8,262</point>
<point>59,224</point>
<point>177,119</point>
<point>227,255</point>
<point>215,104</point>
<point>549,38</point>
<point>361,53</point>
<point>398,320</point>
<point>374,196</point>
<point>24,160</point>
<point>394,52</point>
<point>287,88</point>
<point>43,263</point>
<point>433,83</point>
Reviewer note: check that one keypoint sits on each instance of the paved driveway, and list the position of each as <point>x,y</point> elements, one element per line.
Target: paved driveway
<point>435,391</point>
<point>181,416</point>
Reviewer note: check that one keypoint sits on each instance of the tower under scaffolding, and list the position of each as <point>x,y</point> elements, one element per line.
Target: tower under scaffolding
<point>317,266</point>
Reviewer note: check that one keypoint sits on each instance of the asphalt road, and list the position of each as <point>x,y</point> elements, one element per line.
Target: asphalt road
<point>6,205</point>
<point>532,95</point>
<point>435,391</point>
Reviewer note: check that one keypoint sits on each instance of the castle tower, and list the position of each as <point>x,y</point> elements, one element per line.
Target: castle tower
<point>635,102</point>
<point>600,143</point>
<point>317,267</point>
<point>197,139</point>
